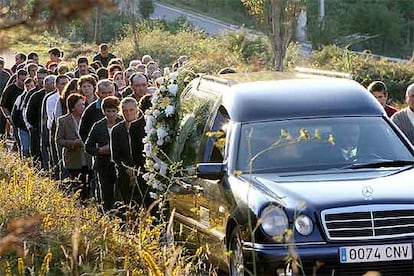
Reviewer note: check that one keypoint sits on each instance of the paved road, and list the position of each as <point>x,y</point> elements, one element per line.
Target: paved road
<point>212,26</point>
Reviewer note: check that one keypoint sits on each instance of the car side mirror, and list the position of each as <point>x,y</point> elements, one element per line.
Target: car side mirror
<point>212,171</point>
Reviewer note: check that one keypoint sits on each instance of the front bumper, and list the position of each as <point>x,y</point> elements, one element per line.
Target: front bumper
<point>322,258</point>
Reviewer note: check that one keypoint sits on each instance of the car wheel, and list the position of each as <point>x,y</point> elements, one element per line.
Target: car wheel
<point>236,260</point>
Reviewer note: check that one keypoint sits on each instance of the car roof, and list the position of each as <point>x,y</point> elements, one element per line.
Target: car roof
<point>296,98</point>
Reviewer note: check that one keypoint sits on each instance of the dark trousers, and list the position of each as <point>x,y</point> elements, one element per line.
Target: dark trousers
<point>2,124</point>
<point>105,187</point>
<point>82,177</point>
<point>35,143</point>
<point>44,149</point>
<point>133,189</point>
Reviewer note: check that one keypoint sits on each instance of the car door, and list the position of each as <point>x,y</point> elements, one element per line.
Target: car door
<point>195,110</point>
<point>211,203</point>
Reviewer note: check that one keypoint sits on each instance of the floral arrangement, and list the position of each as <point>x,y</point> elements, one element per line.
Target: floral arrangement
<point>160,128</point>
<point>164,134</point>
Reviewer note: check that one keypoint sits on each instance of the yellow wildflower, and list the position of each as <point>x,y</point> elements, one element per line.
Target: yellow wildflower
<point>318,134</point>
<point>331,139</point>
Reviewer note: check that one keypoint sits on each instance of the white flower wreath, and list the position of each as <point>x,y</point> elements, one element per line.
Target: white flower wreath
<point>161,119</point>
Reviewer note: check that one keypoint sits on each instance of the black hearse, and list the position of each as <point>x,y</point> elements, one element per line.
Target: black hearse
<point>301,170</point>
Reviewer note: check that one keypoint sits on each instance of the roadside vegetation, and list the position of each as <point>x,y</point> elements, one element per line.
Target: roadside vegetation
<point>347,23</point>
<point>45,231</point>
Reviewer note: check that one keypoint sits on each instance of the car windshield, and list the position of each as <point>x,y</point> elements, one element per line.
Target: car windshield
<point>319,144</point>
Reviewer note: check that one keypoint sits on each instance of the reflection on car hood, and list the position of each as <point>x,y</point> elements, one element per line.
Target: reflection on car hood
<point>318,190</point>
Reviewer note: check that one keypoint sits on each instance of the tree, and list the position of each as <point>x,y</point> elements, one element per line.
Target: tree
<point>146,8</point>
<point>130,8</point>
<point>278,19</point>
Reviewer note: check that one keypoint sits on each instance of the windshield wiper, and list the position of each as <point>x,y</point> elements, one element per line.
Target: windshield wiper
<point>380,164</point>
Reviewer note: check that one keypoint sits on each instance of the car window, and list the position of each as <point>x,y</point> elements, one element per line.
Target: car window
<point>315,144</point>
<point>196,108</point>
<point>215,140</point>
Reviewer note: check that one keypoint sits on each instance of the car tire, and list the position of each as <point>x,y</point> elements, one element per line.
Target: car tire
<point>236,258</point>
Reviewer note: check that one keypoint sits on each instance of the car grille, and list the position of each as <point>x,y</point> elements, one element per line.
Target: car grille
<point>369,222</point>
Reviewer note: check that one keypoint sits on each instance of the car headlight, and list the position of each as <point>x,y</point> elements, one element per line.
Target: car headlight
<point>274,221</point>
<point>304,225</point>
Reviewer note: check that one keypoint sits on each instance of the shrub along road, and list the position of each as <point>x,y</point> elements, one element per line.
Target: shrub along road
<point>211,25</point>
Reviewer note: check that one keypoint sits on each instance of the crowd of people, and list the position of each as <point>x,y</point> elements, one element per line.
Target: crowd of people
<point>87,124</point>
<point>84,125</point>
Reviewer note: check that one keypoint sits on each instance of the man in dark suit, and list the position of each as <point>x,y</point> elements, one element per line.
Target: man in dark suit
<point>37,117</point>
<point>127,153</point>
<point>93,112</point>
<point>97,145</point>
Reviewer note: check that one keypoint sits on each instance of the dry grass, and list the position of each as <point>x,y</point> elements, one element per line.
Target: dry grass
<point>45,232</point>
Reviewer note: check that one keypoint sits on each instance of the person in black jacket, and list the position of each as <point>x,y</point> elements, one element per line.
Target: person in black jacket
<point>104,56</point>
<point>97,145</point>
<point>93,112</point>
<point>34,118</point>
<point>127,153</point>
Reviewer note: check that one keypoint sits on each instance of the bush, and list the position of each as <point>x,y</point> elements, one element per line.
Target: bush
<point>249,47</point>
<point>181,24</point>
<point>207,54</point>
<point>365,69</point>
<point>146,8</point>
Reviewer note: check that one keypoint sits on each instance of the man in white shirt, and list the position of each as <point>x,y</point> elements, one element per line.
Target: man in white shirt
<point>60,83</point>
<point>404,118</point>
<point>54,152</point>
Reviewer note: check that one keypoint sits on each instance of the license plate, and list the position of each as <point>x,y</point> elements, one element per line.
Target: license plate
<point>376,253</point>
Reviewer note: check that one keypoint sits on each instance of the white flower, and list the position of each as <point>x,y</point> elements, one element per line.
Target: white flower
<point>147,149</point>
<point>163,88</point>
<point>156,166</point>
<point>146,176</point>
<point>153,195</point>
<point>160,142</point>
<point>161,133</point>
<point>145,140</point>
<point>148,111</point>
<point>169,110</point>
<point>163,169</point>
<point>173,89</point>
<point>156,113</point>
<point>148,128</point>
<point>154,99</point>
<point>157,186</point>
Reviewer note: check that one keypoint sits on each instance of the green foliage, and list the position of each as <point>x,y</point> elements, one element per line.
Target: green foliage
<point>249,48</point>
<point>385,27</point>
<point>146,8</point>
<point>207,54</point>
<point>365,69</point>
<point>181,24</point>
<point>111,26</point>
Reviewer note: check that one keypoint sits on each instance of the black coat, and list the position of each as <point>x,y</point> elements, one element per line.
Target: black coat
<point>126,146</point>
<point>10,95</point>
<point>34,108</point>
<point>127,151</point>
<point>99,137</point>
<point>92,114</point>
